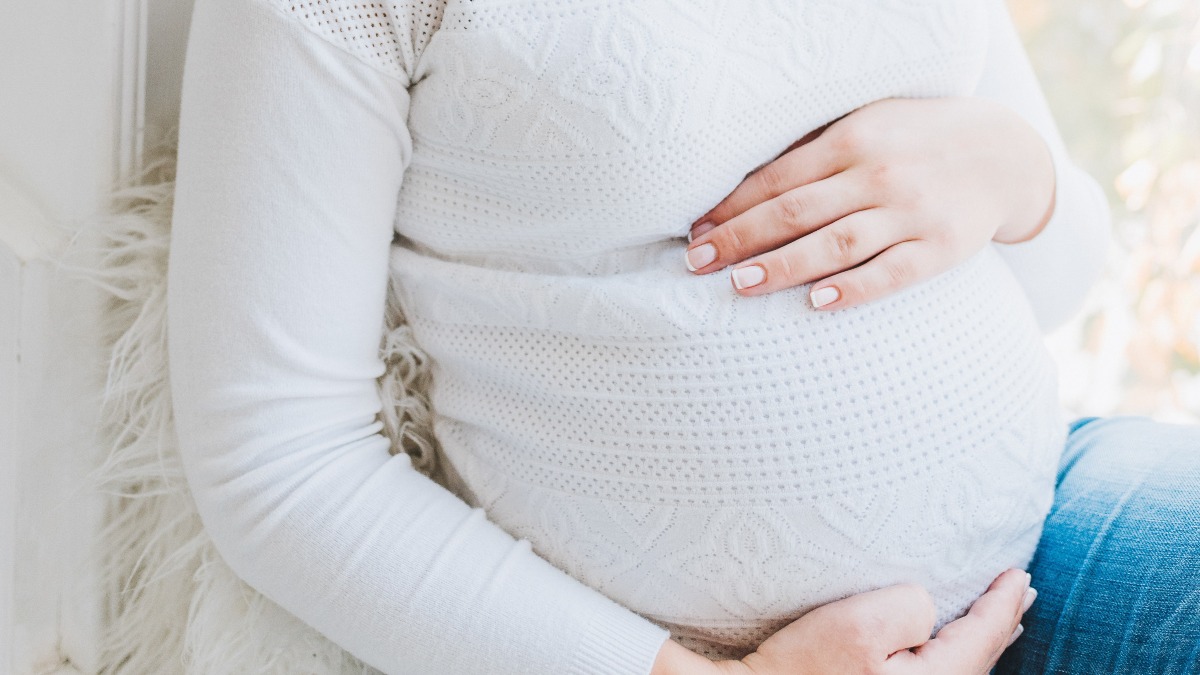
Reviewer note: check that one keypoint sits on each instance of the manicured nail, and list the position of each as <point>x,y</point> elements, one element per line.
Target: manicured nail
<point>823,296</point>
<point>750,275</point>
<point>1030,596</point>
<point>700,229</point>
<point>1028,579</point>
<point>700,256</point>
<point>1016,634</point>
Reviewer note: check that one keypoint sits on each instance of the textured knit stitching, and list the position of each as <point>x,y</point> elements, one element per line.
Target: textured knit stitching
<point>390,35</point>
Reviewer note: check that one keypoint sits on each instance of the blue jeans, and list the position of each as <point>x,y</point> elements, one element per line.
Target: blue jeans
<point>1118,565</point>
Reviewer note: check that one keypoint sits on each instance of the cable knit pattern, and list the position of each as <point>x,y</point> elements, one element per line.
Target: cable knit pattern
<point>723,471</point>
<point>717,464</point>
<point>389,36</point>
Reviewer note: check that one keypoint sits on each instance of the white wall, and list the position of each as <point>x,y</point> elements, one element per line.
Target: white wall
<point>9,301</point>
<point>168,22</point>
<point>68,101</point>
<point>82,81</point>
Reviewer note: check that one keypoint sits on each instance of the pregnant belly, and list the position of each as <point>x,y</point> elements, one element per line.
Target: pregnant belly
<point>722,464</point>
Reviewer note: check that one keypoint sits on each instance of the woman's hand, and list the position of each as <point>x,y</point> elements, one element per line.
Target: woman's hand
<point>893,193</point>
<point>886,632</point>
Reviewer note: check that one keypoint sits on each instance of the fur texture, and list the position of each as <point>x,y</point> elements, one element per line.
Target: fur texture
<point>172,605</point>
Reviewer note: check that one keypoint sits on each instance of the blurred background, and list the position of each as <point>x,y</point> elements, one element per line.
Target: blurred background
<point>1123,79</point>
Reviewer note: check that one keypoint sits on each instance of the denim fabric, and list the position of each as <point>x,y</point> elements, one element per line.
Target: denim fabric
<point>1118,565</point>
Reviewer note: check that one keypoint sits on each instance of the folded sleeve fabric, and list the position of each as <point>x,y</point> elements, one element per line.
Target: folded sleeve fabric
<point>1059,265</point>
<point>292,148</point>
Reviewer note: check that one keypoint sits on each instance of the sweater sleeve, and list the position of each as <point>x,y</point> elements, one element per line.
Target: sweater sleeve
<point>1059,265</point>
<point>291,154</point>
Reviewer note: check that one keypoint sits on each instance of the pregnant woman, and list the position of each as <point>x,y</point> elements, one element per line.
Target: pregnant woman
<point>652,467</point>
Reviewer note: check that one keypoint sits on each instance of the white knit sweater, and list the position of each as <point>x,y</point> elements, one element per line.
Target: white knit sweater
<point>636,449</point>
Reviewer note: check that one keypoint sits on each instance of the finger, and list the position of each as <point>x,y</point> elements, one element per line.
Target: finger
<point>982,634</point>
<point>886,620</point>
<point>1014,616</point>
<point>838,246</point>
<point>803,163</point>
<point>1026,603</point>
<point>806,138</point>
<point>905,662</point>
<point>775,222</point>
<point>897,267</point>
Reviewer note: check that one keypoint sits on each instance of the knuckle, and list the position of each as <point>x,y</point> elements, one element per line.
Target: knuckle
<point>786,271</point>
<point>850,139</point>
<point>843,243</point>
<point>898,273</point>
<point>772,179</point>
<point>792,210</point>
<point>882,177</point>
<point>734,242</point>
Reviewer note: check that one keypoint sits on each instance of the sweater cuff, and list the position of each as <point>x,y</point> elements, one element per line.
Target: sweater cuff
<point>618,641</point>
<point>1058,266</point>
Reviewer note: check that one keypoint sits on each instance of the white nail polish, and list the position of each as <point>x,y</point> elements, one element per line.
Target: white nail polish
<point>700,256</point>
<point>824,296</point>
<point>1016,634</point>
<point>750,275</point>
<point>1030,596</point>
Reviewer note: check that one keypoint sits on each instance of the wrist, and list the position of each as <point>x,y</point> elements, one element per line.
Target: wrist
<point>675,659</point>
<point>1034,210</point>
<point>1013,234</point>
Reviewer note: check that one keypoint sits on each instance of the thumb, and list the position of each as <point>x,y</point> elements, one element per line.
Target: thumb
<point>972,642</point>
<point>887,619</point>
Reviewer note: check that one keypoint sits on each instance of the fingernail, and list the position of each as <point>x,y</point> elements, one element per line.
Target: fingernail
<point>750,275</point>
<point>1030,596</point>
<point>1028,579</point>
<point>823,296</point>
<point>700,229</point>
<point>700,256</point>
<point>1016,634</point>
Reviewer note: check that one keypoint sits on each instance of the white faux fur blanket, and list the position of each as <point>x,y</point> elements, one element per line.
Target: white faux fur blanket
<point>173,605</point>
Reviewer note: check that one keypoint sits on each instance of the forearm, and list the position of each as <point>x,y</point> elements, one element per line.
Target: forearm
<point>291,154</point>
